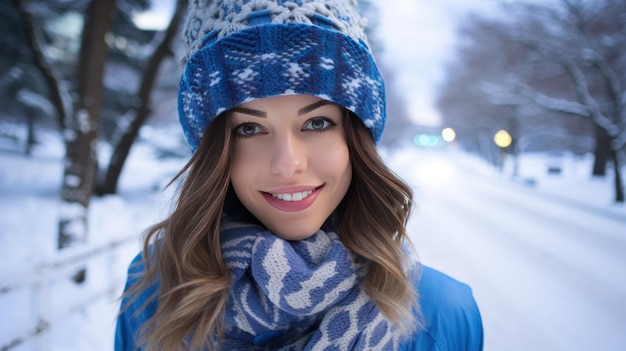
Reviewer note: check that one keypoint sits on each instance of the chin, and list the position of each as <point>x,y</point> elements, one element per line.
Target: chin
<point>291,235</point>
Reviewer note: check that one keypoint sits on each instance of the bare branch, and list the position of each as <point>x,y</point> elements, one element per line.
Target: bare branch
<point>582,90</point>
<point>612,82</point>
<point>553,104</point>
<point>502,94</point>
<point>52,82</point>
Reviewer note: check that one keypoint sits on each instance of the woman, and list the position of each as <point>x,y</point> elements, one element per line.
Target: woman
<point>289,230</point>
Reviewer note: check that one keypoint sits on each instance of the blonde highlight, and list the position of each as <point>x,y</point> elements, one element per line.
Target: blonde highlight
<point>373,218</point>
<point>183,253</point>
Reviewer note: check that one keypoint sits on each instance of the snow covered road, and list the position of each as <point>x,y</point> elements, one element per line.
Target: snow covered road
<point>548,274</point>
<point>547,264</point>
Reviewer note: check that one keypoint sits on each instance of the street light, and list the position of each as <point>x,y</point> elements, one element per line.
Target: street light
<point>448,134</point>
<point>502,138</point>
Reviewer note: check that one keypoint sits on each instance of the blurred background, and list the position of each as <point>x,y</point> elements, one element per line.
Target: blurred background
<point>508,119</point>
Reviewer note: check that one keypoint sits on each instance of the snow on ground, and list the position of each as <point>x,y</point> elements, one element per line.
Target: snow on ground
<point>545,258</point>
<point>36,280</point>
<point>509,239</point>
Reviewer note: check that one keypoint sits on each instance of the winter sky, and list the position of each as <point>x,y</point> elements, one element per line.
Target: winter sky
<point>418,37</point>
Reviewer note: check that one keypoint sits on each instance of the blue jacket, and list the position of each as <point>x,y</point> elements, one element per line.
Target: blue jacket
<point>453,321</point>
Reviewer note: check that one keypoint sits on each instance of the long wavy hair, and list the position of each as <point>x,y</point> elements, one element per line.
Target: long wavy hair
<point>183,251</point>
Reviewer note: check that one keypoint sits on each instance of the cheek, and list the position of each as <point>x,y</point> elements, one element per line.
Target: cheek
<point>347,173</point>
<point>342,159</point>
<point>245,162</point>
<point>334,161</point>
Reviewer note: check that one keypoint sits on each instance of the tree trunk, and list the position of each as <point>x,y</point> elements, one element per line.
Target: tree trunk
<point>601,152</point>
<point>81,126</point>
<point>108,183</point>
<point>513,124</point>
<point>30,139</point>
<point>619,185</point>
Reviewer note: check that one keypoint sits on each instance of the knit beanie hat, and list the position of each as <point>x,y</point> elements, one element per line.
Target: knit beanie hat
<point>244,50</point>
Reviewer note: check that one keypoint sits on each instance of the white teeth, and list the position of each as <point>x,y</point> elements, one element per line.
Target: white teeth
<point>293,196</point>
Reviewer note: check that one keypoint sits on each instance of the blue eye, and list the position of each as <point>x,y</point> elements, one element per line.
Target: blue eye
<point>319,124</point>
<point>247,129</point>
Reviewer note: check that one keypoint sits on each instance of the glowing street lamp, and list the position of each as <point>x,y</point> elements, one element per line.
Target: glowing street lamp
<point>448,134</point>
<point>502,138</point>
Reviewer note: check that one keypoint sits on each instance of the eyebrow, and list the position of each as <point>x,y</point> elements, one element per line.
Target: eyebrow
<point>263,114</point>
<point>249,111</point>
<point>313,106</point>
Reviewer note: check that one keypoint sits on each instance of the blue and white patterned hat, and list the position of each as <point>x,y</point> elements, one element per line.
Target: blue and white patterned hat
<point>244,50</point>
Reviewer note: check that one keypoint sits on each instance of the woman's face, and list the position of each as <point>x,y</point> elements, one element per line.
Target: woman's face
<point>291,167</point>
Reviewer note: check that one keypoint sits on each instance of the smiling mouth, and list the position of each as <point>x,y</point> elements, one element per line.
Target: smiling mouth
<point>294,201</point>
<point>298,196</point>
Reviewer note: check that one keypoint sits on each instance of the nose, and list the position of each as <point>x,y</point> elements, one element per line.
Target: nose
<point>289,156</point>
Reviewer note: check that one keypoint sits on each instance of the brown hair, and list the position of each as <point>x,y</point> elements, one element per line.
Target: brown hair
<point>185,254</point>
<point>373,217</point>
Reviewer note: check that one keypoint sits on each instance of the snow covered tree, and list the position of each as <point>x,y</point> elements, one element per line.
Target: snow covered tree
<point>472,102</point>
<point>566,58</point>
<point>77,95</point>
<point>585,41</point>
<point>107,183</point>
<point>24,94</point>
<point>81,125</point>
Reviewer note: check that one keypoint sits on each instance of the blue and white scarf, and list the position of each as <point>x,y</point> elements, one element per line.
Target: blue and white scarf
<point>298,295</point>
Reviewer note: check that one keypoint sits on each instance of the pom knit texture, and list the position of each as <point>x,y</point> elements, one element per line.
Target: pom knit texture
<point>245,50</point>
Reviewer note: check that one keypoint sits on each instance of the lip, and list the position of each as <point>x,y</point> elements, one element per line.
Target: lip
<point>292,206</point>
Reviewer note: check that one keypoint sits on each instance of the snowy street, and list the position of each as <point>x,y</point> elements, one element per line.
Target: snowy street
<point>546,262</point>
<point>548,273</point>
<point>507,118</point>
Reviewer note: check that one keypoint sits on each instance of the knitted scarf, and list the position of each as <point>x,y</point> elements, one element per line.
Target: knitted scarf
<point>298,295</point>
